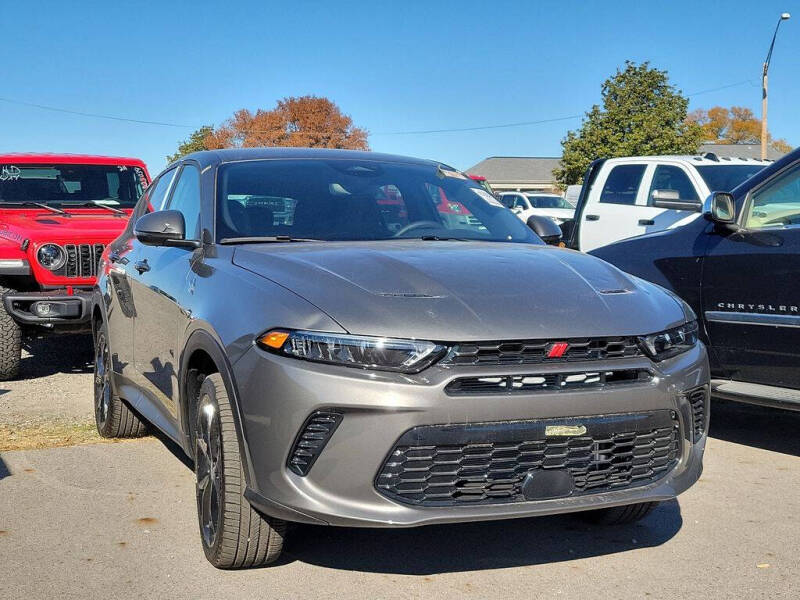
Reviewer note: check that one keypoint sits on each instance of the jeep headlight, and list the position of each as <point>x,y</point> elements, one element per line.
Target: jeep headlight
<point>386,354</point>
<point>51,257</point>
<point>669,343</point>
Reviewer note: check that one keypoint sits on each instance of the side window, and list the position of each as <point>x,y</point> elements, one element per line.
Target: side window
<point>777,204</point>
<point>521,203</point>
<point>186,199</point>
<point>157,192</point>
<point>622,184</point>
<point>507,200</point>
<point>668,177</point>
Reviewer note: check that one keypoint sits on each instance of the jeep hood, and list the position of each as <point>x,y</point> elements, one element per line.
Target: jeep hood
<point>468,291</point>
<point>45,226</point>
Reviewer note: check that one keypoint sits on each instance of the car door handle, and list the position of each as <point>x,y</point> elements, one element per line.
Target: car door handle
<point>646,222</point>
<point>142,266</point>
<point>592,217</point>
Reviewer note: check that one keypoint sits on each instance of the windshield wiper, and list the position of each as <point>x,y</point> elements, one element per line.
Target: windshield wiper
<point>99,204</point>
<point>436,238</point>
<point>265,239</point>
<point>58,211</point>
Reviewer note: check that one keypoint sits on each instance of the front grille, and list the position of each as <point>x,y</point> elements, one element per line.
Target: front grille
<point>82,259</point>
<point>546,382</point>
<point>486,463</point>
<point>535,351</point>
<point>698,400</point>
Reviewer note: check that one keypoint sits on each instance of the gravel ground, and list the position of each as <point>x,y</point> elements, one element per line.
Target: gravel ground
<point>55,384</point>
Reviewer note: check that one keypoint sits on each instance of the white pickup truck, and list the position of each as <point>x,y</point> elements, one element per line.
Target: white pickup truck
<point>626,197</point>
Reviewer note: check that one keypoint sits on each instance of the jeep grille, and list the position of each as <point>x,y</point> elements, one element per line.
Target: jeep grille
<point>82,259</point>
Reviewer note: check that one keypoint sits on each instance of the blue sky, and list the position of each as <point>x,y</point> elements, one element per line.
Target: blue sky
<point>394,67</point>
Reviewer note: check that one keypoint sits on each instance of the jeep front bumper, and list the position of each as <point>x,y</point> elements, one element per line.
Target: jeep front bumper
<point>50,308</point>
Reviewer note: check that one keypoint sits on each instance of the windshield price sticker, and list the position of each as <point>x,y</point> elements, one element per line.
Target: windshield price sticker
<point>487,196</point>
<point>9,173</point>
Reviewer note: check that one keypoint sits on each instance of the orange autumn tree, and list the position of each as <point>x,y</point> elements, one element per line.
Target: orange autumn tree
<point>734,125</point>
<point>307,121</point>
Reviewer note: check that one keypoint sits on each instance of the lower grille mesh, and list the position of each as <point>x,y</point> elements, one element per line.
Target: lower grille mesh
<point>487,463</point>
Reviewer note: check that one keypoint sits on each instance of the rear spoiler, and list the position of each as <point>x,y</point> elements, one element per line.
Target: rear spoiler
<point>588,180</point>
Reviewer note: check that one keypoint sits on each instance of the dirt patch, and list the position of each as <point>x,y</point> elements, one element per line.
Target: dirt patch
<point>47,435</point>
<point>146,521</point>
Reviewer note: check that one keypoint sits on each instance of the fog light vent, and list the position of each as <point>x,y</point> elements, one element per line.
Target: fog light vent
<point>698,400</point>
<point>311,440</point>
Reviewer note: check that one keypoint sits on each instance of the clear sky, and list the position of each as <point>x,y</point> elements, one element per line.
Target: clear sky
<point>393,66</point>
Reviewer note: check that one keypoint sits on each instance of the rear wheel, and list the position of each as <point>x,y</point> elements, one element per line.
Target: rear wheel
<point>113,417</point>
<point>620,515</point>
<point>234,535</point>
<point>10,342</point>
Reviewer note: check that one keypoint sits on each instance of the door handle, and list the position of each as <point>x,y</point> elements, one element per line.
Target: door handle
<point>142,266</point>
<point>592,217</point>
<point>646,222</point>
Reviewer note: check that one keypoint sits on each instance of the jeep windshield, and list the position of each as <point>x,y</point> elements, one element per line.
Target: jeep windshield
<point>70,186</point>
<point>357,200</point>
<point>723,178</point>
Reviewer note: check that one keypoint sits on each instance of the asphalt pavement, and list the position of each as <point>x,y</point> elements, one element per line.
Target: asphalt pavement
<point>118,521</point>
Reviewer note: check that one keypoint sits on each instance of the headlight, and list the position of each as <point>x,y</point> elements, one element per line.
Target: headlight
<point>51,256</point>
<point>386,354</point>
<point>667,344</point>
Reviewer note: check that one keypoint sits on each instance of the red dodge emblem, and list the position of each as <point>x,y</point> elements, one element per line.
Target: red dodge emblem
<point>557,349</point>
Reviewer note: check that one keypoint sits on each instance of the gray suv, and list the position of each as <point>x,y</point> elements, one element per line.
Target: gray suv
<point>358,339</point>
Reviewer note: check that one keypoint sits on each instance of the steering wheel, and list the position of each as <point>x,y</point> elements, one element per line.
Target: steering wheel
<point>417,225</point>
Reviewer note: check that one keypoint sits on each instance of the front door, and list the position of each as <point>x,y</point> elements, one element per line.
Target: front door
<point>751,295</point>
<point>162,287</point>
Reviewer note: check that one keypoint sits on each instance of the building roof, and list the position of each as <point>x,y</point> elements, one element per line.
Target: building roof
<point>739,150</point>
<point>511,169</point>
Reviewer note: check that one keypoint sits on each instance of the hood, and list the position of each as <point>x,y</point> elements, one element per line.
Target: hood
<point>45,226</point>
<point>464,291</point>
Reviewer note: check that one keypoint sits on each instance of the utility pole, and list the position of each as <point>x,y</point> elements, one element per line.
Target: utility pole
<point>784,17</point>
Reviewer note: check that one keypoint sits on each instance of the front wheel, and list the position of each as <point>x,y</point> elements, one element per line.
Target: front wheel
<point>113,417</point>
<point>234,535</point>
<point>10,342</point>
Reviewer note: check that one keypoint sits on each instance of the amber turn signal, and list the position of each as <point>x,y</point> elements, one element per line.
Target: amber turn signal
<point>274,339</point>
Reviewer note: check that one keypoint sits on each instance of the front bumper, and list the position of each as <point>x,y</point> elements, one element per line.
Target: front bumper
<point>277,395</point>
<point>50,309</point>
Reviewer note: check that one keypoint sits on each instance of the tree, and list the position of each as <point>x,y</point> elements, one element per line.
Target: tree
<point>196,142</point>
<point>734,125</point>
<point>642,114</point>
<point>306,121</point>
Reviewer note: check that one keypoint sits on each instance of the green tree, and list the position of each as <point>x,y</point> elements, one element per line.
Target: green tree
<point>642,114</point>
<point>195,143</point>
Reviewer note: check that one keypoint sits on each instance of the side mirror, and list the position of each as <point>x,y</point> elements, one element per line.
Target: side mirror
<point>720,207</point>
<point>546,228</point>
<point>516,209</point>
<point>163,228</point>
<point>672,199</point>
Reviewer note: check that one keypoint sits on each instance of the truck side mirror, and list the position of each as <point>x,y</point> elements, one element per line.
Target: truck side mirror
<point>720,208</point>
<point>672,199</point>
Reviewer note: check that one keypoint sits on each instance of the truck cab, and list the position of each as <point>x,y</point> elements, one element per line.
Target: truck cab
<point>626,197</point>
<point>737,265</point>
<point>57,215</point>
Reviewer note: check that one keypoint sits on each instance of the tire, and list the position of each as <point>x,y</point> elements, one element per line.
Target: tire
<point>620,515</point>
<point>114,418</point>
<point>233,534</point>
<point>10,342</point>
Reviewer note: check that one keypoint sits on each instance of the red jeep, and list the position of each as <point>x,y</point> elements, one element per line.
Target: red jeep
<point>57,213</point>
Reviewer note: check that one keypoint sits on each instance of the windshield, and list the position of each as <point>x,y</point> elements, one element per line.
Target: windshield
<point>358,200</point>
<point>721,178</point>
<point>548,202</point>
<point>65,185</point>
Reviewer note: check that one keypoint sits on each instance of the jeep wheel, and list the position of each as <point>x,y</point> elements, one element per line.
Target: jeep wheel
<point>113,417</point>
<point>10,342</point>
<point>234,535</point>
<point>620,515</point>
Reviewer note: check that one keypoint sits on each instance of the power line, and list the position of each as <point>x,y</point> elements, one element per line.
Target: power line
<point>380,133</point>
